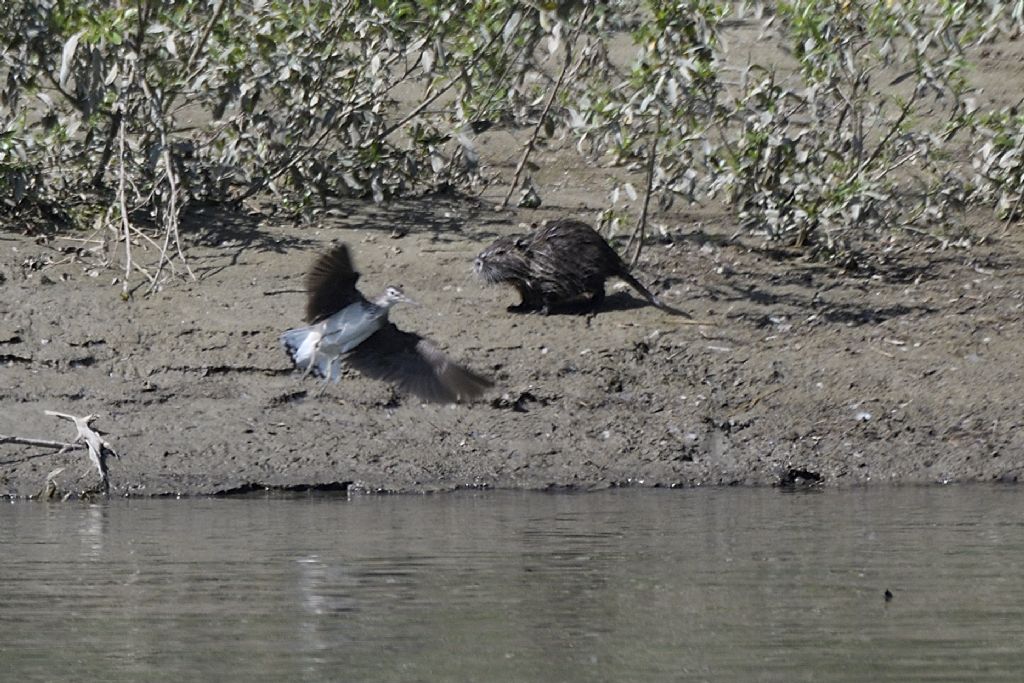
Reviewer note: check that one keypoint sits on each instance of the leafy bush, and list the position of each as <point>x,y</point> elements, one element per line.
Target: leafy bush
<point>999,162</point>
<point>125,114</point>
<point>118,117</point>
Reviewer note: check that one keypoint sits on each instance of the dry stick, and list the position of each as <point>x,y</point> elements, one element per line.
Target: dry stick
<point>125,223</point>
<point>133,230</point>
<point>108,148</point>
<point>285,290</point>
<point>163,259</point>
<point>99,448</point>
<point>540,122</point>
<point>173,222</point>
<point>888,136</point>
<point>45,443</point>
<point>641,223</point>
<point>171,215</point>
<point>143,236</point>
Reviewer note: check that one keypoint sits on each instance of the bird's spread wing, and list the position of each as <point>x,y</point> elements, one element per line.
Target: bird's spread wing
<point>416,365</point>
<point>331,284</point>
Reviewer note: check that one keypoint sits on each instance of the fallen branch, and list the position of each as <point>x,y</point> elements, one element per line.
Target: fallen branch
<point>44,443</point>
<point>99,448</point>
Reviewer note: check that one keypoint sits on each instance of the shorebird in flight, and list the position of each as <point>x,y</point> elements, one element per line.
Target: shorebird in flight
<point>345,327</point>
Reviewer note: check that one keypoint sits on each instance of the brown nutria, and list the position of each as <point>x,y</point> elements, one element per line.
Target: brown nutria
<point>563,262</point>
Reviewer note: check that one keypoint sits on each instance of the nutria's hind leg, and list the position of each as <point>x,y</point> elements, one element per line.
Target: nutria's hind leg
<point>597,297</point>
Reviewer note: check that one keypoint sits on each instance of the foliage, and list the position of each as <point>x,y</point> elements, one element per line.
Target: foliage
<point>124,114</point>
<point>999,162</point>
<point>116,117</point>
<point>819,158</point>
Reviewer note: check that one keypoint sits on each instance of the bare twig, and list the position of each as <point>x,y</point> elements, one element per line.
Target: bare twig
<point>198,47</point>
<point>172,222</point>
<point>904,112</point>
<point>125,223</point>
<point>108,148</point>
<point>286,290</point>
<point>544,114</point>
<point>171,214</point>
<point>641,223</point>
<point>43,443</point>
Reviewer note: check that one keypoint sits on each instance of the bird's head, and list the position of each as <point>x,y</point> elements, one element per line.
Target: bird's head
<point>393,295</point>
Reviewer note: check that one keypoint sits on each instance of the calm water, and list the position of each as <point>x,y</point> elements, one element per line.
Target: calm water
<point>615,586</point>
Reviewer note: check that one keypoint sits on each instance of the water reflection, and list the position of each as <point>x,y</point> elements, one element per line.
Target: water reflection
<point>680,585</point>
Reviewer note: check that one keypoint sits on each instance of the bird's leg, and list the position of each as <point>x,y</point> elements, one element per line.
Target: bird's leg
<point>312,361</point>
<point>327,377</point>
<point>330,369</point>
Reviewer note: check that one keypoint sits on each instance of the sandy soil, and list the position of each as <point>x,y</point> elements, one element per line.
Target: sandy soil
<point>906,372</point>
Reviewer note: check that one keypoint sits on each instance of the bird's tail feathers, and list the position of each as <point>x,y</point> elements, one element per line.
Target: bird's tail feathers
<point>301,345</point>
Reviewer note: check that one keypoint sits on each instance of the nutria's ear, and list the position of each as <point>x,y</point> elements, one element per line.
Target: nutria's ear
<point>521,242</point>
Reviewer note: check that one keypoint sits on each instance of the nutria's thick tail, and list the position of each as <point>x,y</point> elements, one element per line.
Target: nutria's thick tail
<point>654,301</point>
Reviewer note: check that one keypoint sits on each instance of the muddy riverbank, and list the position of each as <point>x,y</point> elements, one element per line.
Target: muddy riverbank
<point>906,371</point>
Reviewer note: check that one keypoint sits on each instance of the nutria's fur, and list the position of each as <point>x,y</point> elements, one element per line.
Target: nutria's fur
<point>564,262</point>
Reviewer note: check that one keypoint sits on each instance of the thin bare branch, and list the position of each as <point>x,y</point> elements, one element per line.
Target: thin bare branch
<point>528,149</point>
<point>639,232</point>
<point>42,443</point>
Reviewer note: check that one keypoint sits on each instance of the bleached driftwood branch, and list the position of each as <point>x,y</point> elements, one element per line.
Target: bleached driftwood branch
<point>99,448</point>
<point>45,443</point>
